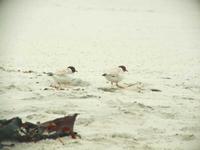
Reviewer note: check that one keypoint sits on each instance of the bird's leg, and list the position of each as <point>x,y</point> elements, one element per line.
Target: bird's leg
<point>57,86</point>
<point>118,85</point>
<point>60,87</point>
<point>54,86</point>
<point>51,85</point>
<point>112,85</point>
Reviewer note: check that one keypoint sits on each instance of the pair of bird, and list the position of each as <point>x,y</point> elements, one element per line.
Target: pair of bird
<point>114,76</point>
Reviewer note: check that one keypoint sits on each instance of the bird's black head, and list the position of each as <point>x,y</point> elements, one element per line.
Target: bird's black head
<point>72,69</point>
<point>123,68</point>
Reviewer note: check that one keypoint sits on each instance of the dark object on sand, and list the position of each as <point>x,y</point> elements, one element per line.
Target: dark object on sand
<point>9,129</point>
<point>49,73</point>
<point>29,71</point>
<point>156,90</point>
<point>14,130</point>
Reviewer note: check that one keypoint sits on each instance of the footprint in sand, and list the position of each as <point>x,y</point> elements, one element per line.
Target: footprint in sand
<point>135,87</point>
<point>85,121</point>
<point>35,116</point>
<point>186,137</point>
<point>57,112</point>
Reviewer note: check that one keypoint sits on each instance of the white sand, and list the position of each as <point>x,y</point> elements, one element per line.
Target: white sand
<point>157,40</point>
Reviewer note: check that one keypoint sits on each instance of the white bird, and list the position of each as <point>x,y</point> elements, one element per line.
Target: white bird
<point>63,76</point>
<point>115,75</point>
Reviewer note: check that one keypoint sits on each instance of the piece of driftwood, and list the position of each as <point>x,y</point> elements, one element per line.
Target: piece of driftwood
<point>65,124</point>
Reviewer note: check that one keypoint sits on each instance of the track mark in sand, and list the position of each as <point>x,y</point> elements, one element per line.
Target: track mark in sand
<point>105,89</point>
<point>7,112</point>
<point>31,109</point>
<point>35,116</point>
<point>113,138</point>
<point>188,98</point>
<point>138,87</point>
<point>124,136</point>
<point>112,90</point>
<point>12,86</point>
<point>151,131</point>
<point>139,109</point>
<point>77,93</point>
<point>7,70</point>
<point>56,111</point>
<point>167,115</point>
<point>2,91</point>
<point>34,97</point>
<point>193,88</point>
<point>18,70</point>
<point>143,106</point>
<point>163,106</point>
<point>85,121</point>
<point>120,140</point>
<point>128,140</point>
<point>82,96</point>
<point>135,87</point>
<point>89,96</point>
<point>177,97</point>
<point>185,137</point>
<point>134,108</point>
<point>165,112</point>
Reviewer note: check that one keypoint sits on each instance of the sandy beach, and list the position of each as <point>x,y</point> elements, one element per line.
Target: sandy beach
<point>157,40</point>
